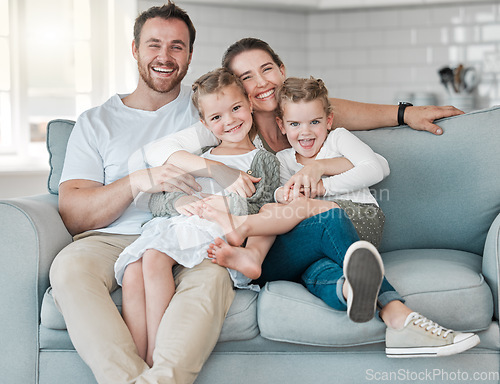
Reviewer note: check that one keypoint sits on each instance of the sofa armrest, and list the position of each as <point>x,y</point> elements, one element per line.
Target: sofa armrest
<point>491,261</point>
<point>31,235</point>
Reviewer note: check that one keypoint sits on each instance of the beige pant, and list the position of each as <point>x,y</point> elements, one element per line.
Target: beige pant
<point>82,277</point>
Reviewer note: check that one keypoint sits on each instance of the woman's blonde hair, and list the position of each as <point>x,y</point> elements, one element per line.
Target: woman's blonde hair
<point>296,89</point>
<point>213,82</point>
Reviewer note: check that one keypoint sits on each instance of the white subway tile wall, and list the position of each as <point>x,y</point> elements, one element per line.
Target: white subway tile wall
<point>370,55</point>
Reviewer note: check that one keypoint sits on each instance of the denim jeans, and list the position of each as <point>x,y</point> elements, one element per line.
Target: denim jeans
<point>313,253</point>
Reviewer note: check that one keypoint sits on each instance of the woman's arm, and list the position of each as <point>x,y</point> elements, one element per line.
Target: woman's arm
<point>192,139</point>
<point>232,179</point>
<point>182,149</point>
<point>356,116</point>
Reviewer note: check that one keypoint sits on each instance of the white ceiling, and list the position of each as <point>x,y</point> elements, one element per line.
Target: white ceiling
<point>318,5</point>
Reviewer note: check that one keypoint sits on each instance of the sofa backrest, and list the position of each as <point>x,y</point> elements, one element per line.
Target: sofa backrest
<point>443,191</point>
<point>58,132</point>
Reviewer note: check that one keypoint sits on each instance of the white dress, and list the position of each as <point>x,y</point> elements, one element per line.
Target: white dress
<point>186,238</point>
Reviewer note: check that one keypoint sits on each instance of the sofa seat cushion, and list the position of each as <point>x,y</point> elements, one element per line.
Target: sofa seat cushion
<point>444,285</point>
<point>240,323</point>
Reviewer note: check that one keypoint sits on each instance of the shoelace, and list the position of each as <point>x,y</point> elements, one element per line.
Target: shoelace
<point>429,325</point>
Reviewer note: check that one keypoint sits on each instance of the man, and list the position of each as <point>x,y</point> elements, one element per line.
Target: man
<point>96,202</point>
<point>96,198</point>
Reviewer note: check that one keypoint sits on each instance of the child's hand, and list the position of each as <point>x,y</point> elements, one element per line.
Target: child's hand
<point>234,180</point>
<point>320,189</point>
<point>304,182</point>
<point>279,196</point>
<point>188,205</point>
<point>292,197</point>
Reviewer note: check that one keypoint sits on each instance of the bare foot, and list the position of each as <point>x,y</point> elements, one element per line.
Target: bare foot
<point>233,226</point>
<point>240,259</point>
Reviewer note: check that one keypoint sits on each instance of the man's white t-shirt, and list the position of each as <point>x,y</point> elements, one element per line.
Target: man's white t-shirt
<point>107,142</point>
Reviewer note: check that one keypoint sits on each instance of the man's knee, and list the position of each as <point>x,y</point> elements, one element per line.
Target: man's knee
<point>65,268</point>
<point>78,267</point>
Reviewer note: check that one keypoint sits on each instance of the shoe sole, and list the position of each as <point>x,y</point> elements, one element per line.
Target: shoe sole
<point>364,271</point>
<point>445,350</point>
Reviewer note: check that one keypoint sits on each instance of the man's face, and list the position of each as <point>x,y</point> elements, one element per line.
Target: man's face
<point>163,54</point>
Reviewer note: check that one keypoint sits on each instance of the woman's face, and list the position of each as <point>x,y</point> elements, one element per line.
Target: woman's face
<point>260,76</point>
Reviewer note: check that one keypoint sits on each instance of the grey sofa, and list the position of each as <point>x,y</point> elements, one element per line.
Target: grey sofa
<point>441,250</point>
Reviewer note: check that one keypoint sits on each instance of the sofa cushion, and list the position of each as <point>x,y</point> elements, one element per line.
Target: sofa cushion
<point>444,285</point>
<point>58,132</point>
<point>443,191</point>
<point>240,323</point>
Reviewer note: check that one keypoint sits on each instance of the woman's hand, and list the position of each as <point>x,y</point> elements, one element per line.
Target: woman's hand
<point>422,118</point>
<point>234,180</point>
<point>188,205</point>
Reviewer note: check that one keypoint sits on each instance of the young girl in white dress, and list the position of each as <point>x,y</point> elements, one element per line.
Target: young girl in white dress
<point>178,235</point>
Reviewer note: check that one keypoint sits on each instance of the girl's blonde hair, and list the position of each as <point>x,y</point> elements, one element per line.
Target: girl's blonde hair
<point>296,89</point>
<point>213,82</point>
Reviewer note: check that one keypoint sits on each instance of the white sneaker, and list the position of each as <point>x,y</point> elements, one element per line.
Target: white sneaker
<point>421,337</point>
<point>363,271</point>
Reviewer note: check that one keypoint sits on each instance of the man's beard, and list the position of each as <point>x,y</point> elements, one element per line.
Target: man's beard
<point>161,85</point>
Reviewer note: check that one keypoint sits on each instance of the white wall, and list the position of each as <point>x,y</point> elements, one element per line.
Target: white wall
<point>16,184</point>
<point>367,55</point>
<point>371,55</point>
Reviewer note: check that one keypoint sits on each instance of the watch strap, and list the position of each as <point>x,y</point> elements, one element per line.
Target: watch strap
<point>401,111</point>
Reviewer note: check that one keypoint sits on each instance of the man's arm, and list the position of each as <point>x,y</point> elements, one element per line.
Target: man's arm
<point>356,116</point>
<point>85,205</point>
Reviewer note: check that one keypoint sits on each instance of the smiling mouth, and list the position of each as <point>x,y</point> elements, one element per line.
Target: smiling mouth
<point>266,94</point>
<point>307,143</point>
<point>233,129</point>
<point>166,71</point>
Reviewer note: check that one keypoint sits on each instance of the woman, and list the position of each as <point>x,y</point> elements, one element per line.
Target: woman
<point>301,255</point>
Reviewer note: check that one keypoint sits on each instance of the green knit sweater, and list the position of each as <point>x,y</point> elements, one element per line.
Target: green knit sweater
<point>264,165</point>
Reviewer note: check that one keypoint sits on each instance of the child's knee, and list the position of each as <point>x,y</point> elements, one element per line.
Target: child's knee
<point>155,261</point>
<point>132,276</point>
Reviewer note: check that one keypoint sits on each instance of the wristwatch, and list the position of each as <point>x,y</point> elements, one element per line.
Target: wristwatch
<point>401,111</point>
